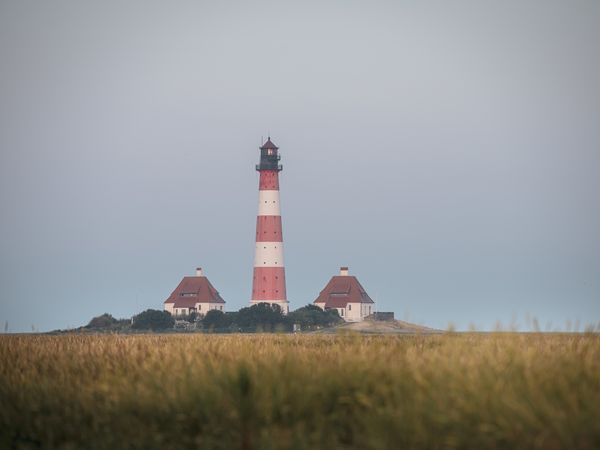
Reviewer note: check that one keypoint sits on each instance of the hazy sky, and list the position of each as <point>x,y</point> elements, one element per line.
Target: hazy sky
<point>448,152</point>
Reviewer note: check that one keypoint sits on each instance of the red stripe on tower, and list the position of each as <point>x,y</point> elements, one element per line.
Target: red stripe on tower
<point>268,284</point>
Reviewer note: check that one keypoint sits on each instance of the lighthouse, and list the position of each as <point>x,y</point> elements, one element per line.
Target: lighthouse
<point>268,284</point>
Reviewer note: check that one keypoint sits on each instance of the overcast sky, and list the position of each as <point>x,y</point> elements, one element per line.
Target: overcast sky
<point>447,152</point>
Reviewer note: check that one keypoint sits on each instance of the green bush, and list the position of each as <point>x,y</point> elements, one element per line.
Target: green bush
<point>262,317</point>
<point>216,320</point>
<point>152,319</point>
<point>101,322</point>
<point>311,316</point>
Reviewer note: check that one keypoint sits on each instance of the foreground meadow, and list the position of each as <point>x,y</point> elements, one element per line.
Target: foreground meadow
<point>300,392</point>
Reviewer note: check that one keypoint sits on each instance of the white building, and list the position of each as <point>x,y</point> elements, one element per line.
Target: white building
<point>194,294</point>
<point>345,293</point>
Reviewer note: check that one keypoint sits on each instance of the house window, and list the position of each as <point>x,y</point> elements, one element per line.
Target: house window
<point>349,307</point>
<point>342,311</point>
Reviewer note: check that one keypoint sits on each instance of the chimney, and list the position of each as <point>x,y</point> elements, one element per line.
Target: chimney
<point>343,271</point>
<point>199,272</point>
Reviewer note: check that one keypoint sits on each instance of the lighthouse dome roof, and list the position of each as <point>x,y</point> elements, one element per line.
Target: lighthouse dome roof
<point>269,145</point>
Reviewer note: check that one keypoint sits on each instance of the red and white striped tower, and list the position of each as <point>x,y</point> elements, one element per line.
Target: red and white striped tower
<point>268,285</point>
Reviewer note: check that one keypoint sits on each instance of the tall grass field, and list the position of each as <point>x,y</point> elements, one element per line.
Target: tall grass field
<point>453,391</point>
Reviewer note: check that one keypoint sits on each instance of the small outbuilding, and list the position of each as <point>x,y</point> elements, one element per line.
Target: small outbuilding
<point>345,293</point>
<point>194,294</point>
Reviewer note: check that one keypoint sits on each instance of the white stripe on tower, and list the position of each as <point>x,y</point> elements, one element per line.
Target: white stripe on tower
<point>268,254</point>
<point>268,203</point>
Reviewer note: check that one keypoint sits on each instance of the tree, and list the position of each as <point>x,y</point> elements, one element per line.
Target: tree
<point>216,320</point>
<point>262,316</point>
<point>104,321</point>
<point>333,315</point>
<point>152,319</point>
<point>311,316</point>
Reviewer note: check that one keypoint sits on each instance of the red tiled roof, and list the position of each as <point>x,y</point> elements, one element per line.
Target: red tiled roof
<point>269,145</point>
<point>342,290</point>
<point>192,290</point>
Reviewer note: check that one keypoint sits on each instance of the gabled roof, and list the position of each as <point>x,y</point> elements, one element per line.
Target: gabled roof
<point>192,290</point>
<point>269,145</point>
<point>341,290</point>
